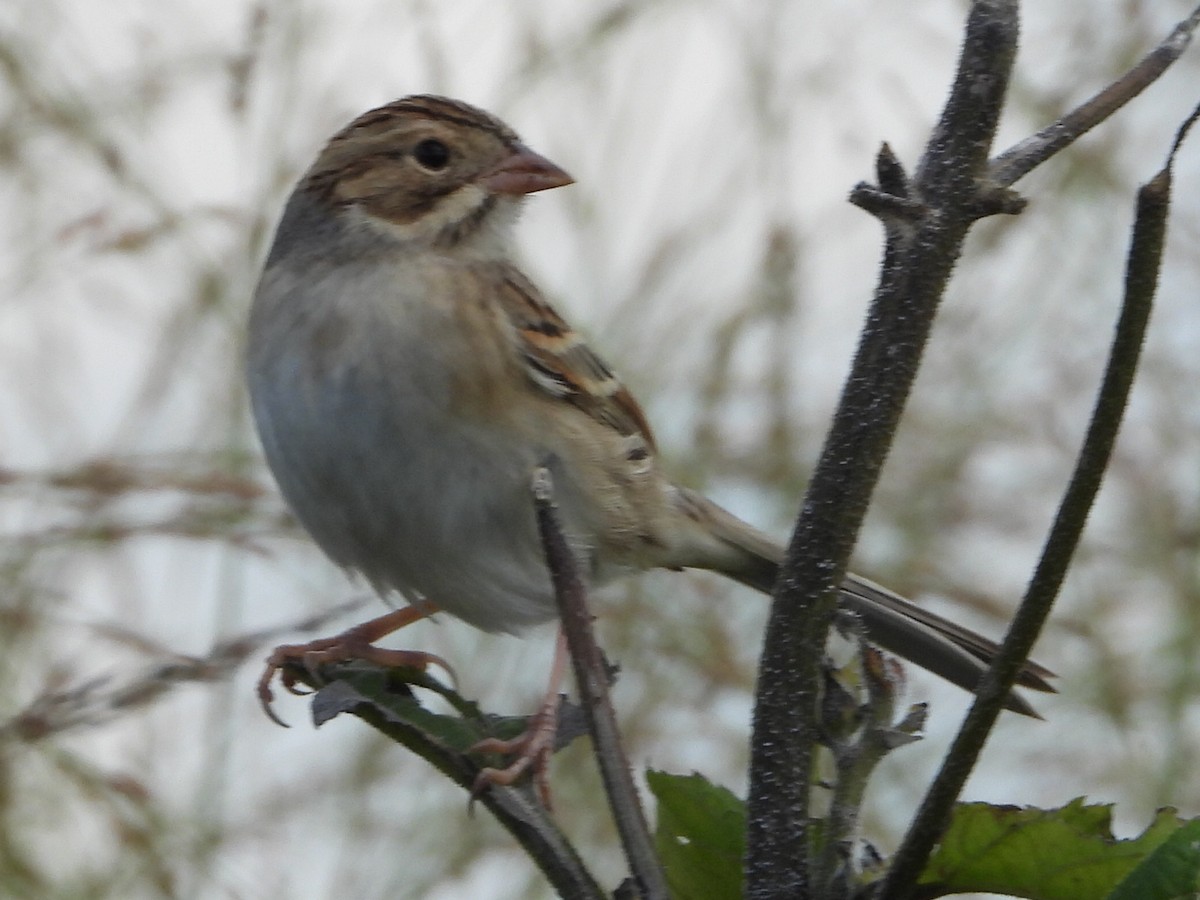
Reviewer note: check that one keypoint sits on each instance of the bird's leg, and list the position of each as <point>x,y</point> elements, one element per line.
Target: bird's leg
<point>353,643</point>
<point>534,746</point>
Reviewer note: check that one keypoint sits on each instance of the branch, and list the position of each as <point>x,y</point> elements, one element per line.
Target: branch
<point>592,677</point>
<point>918,258</point>
<point>1022,158</point>
<point>1141,279</point>
<point>861,727</point>
<point>383,698</point>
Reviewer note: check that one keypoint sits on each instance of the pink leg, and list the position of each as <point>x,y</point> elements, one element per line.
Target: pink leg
<point>533,747</point>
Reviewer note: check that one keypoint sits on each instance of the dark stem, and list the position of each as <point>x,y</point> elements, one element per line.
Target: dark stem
<point>917,263</point>
<point>1145,255</point>
<point>591,675</point>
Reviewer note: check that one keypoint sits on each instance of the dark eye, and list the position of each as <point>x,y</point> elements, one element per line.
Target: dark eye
<point>432,154</point>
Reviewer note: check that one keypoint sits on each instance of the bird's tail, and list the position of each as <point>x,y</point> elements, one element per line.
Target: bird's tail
<point>957,654</point>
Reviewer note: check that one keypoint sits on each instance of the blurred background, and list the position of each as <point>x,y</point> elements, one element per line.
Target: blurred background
<point>710,254</point>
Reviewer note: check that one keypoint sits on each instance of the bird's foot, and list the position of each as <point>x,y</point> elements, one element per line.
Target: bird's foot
<point>353,644</point>
<point>532,749</point>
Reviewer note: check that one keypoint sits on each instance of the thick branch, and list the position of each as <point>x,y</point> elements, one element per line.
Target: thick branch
<point>917,264</point>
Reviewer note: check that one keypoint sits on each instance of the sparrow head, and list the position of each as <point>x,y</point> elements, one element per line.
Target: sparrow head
<point>428,169</point>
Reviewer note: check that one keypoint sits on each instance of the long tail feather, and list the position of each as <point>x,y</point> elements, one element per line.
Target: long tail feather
<point>951,651</point>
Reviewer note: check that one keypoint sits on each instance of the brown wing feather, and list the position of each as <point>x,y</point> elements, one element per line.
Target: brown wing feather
<point>558,361</point>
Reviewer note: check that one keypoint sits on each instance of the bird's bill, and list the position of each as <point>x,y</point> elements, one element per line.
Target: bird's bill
<point>525,172</point>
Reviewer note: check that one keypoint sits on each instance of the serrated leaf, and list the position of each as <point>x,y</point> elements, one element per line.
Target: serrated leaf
<point>1171,871</point>
<point>700,836</point>
<point>1058,854</point>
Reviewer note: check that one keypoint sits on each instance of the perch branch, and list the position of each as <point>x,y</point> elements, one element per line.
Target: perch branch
<point>591,675</point>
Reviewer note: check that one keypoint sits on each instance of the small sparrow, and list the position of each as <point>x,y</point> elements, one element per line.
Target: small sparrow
<point>407,378</point>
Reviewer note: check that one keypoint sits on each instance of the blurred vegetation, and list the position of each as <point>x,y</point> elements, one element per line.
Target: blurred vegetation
<point>708,250</point>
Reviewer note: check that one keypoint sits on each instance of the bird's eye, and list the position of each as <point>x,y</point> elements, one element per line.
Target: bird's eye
<point>432,154</point>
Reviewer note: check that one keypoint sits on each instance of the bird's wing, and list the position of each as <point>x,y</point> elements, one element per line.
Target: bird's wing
<point>558,361</point>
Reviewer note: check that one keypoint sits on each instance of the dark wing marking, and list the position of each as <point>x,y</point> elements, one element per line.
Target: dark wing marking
<point>559,362</point>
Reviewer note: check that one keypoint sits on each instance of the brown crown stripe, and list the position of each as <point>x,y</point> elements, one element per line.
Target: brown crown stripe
<point>457,113</point>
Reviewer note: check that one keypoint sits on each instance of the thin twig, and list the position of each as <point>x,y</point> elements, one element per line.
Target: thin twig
<point>860,731</point>
<point>591,675</point>
<point>1145,256</point>
<point>1022,158</point>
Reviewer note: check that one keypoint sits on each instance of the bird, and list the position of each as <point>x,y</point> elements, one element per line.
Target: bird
<point>407,377</point>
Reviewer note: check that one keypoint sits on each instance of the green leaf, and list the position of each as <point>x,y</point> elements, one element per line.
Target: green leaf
<point>389,691</point>
<point>700,836</point>
<point>1059,854</point>
<point>1171,871</point>
<point>384,699</point>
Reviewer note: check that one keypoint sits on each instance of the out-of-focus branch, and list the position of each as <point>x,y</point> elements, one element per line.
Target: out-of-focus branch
<point>212,503</point>
<point>100,700</point>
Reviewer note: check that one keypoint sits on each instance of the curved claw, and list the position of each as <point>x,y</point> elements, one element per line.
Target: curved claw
<point>349,645</point>
<point>433,659</point>
<point>266,697</point>
<point>355,643</point>
<point>294,689</point>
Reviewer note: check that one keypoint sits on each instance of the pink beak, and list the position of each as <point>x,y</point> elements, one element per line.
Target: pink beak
<point>524,173</point>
